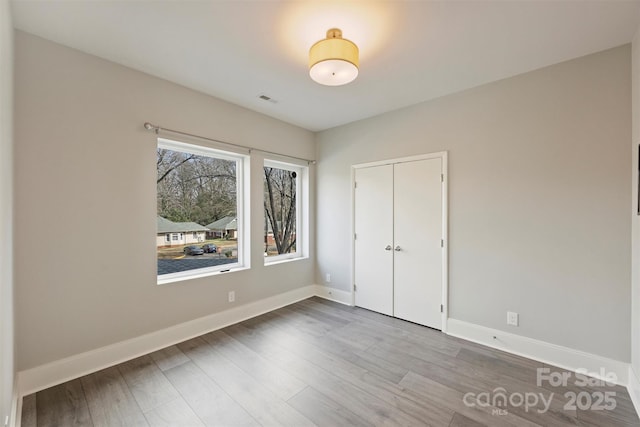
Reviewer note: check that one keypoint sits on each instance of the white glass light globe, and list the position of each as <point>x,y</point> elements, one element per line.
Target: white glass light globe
<point>333,72</point>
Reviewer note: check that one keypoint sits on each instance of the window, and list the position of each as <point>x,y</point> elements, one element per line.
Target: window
<point>167,238</point>
<point>199,194</point>
<point>283,211</point>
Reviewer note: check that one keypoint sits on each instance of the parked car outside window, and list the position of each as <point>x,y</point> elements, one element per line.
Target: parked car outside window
<point>193,250</point>
<point>209,248</point>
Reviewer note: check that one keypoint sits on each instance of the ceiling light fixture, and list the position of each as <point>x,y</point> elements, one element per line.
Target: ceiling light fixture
<point>334,60</point>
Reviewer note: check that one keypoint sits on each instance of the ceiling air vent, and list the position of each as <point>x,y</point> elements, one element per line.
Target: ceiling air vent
<point>268,98</point>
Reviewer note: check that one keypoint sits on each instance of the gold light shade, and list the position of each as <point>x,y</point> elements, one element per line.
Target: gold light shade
<point>334,60</point>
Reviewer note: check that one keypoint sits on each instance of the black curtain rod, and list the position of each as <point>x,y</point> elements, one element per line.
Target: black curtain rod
<point>158,129</point>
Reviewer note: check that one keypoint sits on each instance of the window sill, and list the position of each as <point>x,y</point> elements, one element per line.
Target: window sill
<point>168,280</point>
<point>284,261</point>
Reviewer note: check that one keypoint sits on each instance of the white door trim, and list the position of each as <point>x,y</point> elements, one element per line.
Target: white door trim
<point>445,240</point>
<point>443,155</point>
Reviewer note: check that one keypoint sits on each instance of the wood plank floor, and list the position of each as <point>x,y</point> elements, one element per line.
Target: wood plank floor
<point>321,363</point>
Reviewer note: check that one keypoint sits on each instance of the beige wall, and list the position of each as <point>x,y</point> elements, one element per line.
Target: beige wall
<point>6,212</point>
<point>539,198</point>
<point>84,162</point>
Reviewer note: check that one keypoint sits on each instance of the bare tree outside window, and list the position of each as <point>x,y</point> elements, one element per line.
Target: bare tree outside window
<point>195,188</point>
<point>280,210</point>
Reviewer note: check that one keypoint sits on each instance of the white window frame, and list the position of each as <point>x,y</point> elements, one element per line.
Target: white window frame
<point>242,211</point>
<point>302,211</point>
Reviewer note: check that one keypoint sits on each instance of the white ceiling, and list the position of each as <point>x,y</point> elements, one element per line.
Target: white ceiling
<point>410,51</point>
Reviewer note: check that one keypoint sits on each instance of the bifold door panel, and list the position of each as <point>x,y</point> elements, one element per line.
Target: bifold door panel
<point>398,242</point>
<point>374,263</point>
<point>417,229</point>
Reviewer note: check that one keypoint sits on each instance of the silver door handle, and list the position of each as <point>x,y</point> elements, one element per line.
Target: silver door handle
<point>388,248</point>
<point>397,249</point>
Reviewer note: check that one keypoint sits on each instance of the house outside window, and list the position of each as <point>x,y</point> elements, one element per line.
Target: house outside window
<point>197,186</point>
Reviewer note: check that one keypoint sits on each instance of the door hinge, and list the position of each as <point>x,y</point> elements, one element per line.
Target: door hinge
<point>441,177</point>
<point>354,287</point>
<point>355,185</point>
<point>441,308</point>
<point>442,243</point>
<point>355,236</point>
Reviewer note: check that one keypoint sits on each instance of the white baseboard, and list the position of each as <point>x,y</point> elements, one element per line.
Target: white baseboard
<point>556,355</point>
<point>634,388</point>
<point>333,294</point>
<point>60,371</point>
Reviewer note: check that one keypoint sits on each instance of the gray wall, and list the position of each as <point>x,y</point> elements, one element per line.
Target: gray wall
<point>86,202</point>
<point>539,198</point>
<point>635,219</point>
<point>539,201</point>
<point>6,211</point>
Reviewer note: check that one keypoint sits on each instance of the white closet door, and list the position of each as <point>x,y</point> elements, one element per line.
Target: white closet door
<point>417,244</point>
<point>374,237</point>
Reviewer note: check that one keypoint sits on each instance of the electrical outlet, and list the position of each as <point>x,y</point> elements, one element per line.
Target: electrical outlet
<point>328,278</point>
<point>232,296</point>
<point>512,318</point>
